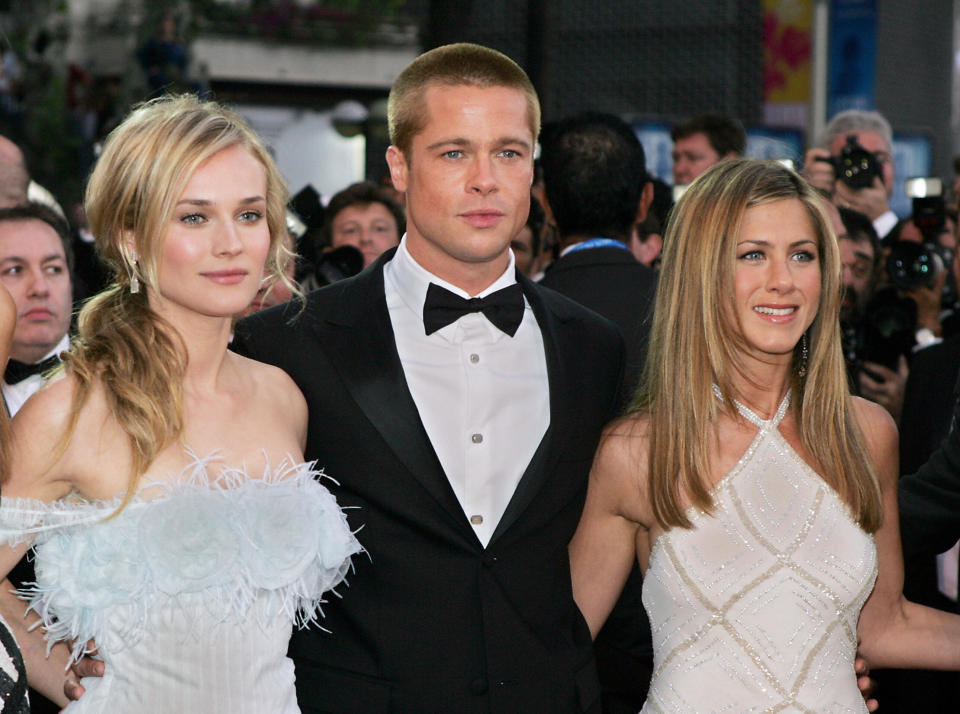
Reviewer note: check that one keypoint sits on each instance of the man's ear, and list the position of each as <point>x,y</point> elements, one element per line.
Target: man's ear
<point>398,168</point>
<point>649,250</point>
<point>646,198</point>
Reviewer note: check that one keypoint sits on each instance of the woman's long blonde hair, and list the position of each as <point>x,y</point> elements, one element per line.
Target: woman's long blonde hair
<point>696,342</point>
<point>138,357</point>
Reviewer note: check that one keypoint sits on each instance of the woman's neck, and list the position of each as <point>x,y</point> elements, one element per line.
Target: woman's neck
<point>205,338</point>
<point>763,390</point>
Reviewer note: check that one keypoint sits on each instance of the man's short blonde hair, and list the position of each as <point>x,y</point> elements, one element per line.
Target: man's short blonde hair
<point>461,64</point>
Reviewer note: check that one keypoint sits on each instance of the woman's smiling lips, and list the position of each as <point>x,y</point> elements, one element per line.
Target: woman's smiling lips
<point>776,313</point>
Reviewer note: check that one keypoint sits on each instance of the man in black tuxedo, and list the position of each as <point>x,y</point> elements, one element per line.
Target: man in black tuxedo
<point>596,186</point>
<point>458,406</point>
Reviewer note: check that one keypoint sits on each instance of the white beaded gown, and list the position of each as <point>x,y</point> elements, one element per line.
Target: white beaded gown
<point>755,608</point>
<point>190,595</point>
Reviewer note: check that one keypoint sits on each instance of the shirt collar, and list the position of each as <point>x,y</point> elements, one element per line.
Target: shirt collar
<point>63,344</point>
<point>884,223</point>
<point>411,280</point>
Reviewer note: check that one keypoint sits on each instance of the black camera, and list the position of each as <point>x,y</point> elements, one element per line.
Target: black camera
<point>886,332</point>
<point>855,166</point>
<point>913,265</point>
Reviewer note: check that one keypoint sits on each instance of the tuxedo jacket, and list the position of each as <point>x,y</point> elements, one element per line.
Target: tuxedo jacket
<point>928,402</point>
<point>611,282</point>
<point>431,621</point>
<point>930,498</point>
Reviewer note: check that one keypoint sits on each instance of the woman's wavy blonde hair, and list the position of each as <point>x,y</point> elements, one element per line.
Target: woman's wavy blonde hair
<point>138,357</point>
<point>696,341</point>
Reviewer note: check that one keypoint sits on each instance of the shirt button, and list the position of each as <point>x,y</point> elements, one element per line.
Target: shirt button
<point>474,358</point>
<point>477,438</point>
<point>476,520</point>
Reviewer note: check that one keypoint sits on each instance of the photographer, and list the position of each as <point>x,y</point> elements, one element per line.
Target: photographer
<point>876,364</point>
<point>933,228</point>
<point>906,316</point>
<point>867,190</point>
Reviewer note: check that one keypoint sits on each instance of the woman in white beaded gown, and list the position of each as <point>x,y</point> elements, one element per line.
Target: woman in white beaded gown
<point>757,495</point>
<point>161,478</point>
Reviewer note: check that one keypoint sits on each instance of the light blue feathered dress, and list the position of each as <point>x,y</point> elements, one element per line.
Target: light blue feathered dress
<point>190,594</point>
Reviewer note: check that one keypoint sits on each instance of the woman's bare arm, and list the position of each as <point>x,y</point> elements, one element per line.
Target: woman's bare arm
<point>603,549</point>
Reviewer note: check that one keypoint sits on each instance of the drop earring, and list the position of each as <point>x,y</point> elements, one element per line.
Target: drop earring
<point>132,268</point>
<point>804,354</point>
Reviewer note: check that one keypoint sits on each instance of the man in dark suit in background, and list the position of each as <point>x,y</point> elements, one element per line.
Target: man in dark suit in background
<point>460,440</point>
<point>596,186</point>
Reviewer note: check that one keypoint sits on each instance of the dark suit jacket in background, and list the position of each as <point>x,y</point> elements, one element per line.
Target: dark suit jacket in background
<point>432,621</point>
<point>928,403</point>
<point>930,498</point>
<point>925,422</point>
<point>611,282</point>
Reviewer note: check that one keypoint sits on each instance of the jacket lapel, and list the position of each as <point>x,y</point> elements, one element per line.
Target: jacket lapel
<point>558,346</point>
<point>359,338</point>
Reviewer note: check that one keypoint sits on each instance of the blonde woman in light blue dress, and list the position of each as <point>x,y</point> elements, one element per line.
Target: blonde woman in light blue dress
<point>161,478</point>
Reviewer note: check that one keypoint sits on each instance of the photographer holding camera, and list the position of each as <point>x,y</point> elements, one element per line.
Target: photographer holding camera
<point>854,165</point>
<point>908,314</point>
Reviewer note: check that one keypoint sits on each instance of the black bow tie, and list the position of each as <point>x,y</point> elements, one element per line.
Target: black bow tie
<point>18,371</point>
<point>504,308</point>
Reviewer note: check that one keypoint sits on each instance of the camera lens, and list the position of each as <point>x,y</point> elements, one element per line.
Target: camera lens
<point>911,265</point>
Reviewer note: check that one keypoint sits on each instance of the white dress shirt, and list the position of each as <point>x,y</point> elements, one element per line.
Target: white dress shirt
<point>16,395</point>
<point>483,396</point>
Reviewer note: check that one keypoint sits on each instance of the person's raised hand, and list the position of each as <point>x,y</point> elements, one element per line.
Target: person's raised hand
<point>872,201</point>
<point>818,173</point>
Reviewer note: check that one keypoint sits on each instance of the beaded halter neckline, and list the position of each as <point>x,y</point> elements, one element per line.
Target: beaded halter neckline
<point>752,417</point>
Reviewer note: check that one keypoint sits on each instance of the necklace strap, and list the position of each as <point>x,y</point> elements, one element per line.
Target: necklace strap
<point>752,417</point>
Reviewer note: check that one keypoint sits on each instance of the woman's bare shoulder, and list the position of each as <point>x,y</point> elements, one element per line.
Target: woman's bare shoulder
<point>274,389</point>
<point>880,439</point>
<point>627,436</point>
<point>621,460</point>
<point>48,408</point>
<point>45,453</point>
<point>875,422</point>
<point>265,374</point>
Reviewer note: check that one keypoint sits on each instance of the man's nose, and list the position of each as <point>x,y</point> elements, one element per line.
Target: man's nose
<point>39,283</point>
<point>482,178</point>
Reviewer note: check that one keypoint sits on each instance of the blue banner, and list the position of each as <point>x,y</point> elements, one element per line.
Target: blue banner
<point>852,55</point>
